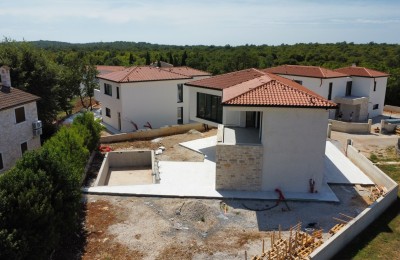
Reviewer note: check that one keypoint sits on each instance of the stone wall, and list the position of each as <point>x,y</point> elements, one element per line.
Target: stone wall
<point>239,167</point>
<point>12,135</point>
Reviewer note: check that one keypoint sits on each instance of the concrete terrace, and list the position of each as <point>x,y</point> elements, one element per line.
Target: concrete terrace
<point>197,179</point>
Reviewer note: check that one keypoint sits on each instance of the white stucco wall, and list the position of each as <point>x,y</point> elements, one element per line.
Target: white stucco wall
<point>12,135</point>
<point>294,142</point>
<point>110,102</point>
<point>363,86</point>
<point>321,86</point>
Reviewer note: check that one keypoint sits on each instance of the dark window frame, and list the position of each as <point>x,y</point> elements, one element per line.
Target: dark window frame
<point>209,107</point>
<point>117,92</point>
<point>349,86</point>
<point>1,162</point>
<point>180,93</point>
<point>330,91</point>
<point>108,112</point>
<point>24,147</point>
<point>108,89</point>
<point>375,107</point>
<point>374,85</point>
<point>20,116</point>
<point>180,115</point>
<point>298,81</point>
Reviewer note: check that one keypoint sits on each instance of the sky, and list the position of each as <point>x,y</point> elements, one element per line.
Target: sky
<point>208,22</point>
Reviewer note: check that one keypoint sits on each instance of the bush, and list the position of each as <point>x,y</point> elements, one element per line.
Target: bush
<point>40,197</point>
<point>89,128</point>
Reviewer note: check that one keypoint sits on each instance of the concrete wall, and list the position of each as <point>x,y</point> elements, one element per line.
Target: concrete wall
<point>12,135</point>
<point>334,244</point>
<point>176,129</point>
<point>365,87</point>
<point>123,159</point>
<point>238,167</point>
<point>110,102</point>
<point>394,109</point>
<point>348,127</point>
<point>294,142</point>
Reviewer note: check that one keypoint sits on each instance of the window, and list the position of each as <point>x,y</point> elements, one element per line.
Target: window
<point>349,85</point>
<point>24,147</point>
<point>19,115</point>
<point>180,115</point>
<point>107,89</point>
<point>330,91</point>
<point>1,162</point>
<point>117,92</point>
<point>108,112</point>
<point>374,85</point>
<point>209,107</point>
<point>298,81</point>
<point>375,107</point>
<point>180,93</point>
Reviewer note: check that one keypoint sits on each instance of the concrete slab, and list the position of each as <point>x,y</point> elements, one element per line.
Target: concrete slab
<point>340,170</point>
<point>129,176</point>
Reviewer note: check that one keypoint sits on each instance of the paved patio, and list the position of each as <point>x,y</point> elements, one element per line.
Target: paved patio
<point>197,179</point>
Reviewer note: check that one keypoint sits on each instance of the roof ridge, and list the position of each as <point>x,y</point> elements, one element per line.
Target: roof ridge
<point>250,89</point>
<point>131,69</point>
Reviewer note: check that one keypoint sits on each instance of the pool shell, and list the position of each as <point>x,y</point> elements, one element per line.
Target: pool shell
<point>129,167</point>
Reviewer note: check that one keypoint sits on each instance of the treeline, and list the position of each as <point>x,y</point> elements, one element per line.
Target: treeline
<point>223,59</point>
<point>40,198</point>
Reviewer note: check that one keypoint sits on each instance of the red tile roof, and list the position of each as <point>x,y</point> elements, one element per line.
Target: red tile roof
<point>186,71</point>
<point>252,87</point>
<point>362,72</point>
<point>141,73</point>
<point>103,69</point>
<point>280,92</point>
<point>15,98</point>
<point>305,71</point>
<point>227,80</point>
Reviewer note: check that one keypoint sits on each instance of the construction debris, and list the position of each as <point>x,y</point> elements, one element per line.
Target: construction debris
<point>299,244</point>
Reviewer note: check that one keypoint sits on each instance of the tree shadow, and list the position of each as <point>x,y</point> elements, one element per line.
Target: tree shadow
<point>73,244</point>
<point>380,225</point>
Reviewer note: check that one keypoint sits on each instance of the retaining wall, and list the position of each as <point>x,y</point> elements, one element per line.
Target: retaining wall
<point>391,109</point>
<point>334,244</point>
<point>351,127</point>
<point>164,131</point>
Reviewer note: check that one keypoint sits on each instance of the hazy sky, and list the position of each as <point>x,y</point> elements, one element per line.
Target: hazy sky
<point>206,22</point>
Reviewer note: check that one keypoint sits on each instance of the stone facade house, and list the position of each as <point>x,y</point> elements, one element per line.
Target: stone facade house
<point>20,129</point>
<point>271,130</point>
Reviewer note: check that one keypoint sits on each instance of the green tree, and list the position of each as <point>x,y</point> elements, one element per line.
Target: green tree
<point>148,61</point>
<point>91,129</point>
<point>88,76</point>
<point>184,57</point>
<point>131,59</point>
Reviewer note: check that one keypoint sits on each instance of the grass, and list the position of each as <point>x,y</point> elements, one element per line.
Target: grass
<point>381,240</point>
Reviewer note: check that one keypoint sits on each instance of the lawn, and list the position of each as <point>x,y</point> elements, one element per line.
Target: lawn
<point>381,240</point>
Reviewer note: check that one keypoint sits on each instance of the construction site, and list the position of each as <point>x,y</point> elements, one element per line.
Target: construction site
<point>166,227</point>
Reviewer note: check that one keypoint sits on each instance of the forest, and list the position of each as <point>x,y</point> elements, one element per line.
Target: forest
<point>223,59</point>
<point>54,70</point>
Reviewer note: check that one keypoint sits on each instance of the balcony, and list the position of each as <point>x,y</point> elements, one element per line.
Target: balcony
<point>238,135</point>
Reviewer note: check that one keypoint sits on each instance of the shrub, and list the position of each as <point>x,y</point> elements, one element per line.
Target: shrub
<point>90,128</point>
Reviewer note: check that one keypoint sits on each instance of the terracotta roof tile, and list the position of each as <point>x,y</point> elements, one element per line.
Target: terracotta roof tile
<point>227,80</point>
<point>305,71</point>
<point>186,71</point>
<point>15,98</point>
<point>141,73</point>
<point>280,93</point>
<point>362,72</point>
<point>103,69</point>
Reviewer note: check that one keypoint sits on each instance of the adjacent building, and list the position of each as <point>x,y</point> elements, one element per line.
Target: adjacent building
<point>20,129</point>
<point>358,91</point>
<point>272,130</point>
<point>144,96</point>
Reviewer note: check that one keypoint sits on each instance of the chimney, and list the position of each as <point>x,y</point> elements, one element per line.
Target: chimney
<point>5,79</point>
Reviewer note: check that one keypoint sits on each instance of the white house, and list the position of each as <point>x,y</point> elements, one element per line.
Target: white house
<point>351,88</point>
<point>368,83</point>
<point>273,131</point>
<point>20,129</point>
<point>145,97</point>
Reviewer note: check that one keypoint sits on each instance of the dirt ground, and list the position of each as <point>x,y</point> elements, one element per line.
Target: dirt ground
<point>181,228</point>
